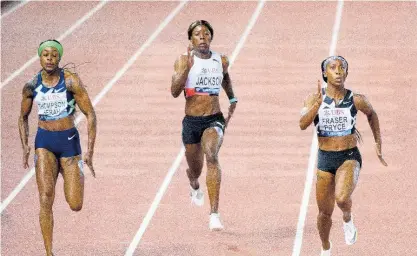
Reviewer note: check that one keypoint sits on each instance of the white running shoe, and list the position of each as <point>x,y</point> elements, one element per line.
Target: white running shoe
<point>351,234</point>
<point>215,223</point>
<point>197,196</point>
<point>326,252</point>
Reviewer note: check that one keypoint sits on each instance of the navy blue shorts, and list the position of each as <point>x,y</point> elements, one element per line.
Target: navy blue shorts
<point>61,143</point>
<point>330,161</point>
<point>194,126</point>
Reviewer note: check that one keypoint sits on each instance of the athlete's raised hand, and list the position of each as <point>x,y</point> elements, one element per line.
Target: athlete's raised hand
<point>318,95</point>
<point>379,154</point>
<point>190,54</point>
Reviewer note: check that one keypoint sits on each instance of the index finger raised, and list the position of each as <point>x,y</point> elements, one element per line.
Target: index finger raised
<point>318,87</point>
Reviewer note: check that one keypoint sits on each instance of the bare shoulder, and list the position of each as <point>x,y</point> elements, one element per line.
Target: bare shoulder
<point>70,77</point>
<point>225,61</point>
<point>359,96</point>
<point>30,86</point>
<point>360,99</point>
<point>73,82</point>
<point>362,103</point>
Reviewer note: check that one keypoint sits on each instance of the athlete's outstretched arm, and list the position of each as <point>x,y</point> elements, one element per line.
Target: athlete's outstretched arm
<point>310,109</point>
<point>227,87</point>
<point>25,109</point>
<point>182,67</point>
<point>362,104</point>
<point>84,103</point>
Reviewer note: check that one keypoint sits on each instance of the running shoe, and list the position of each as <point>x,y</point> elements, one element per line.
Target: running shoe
<point>197,196</point>
<point>326,252</point>
<point>215,223</point>
<point>351,234</point>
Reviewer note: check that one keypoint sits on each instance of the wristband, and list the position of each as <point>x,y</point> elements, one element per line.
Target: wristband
<point>233,100</point>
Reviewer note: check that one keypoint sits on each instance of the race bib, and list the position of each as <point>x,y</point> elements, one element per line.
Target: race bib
<point>335,122</point>
<point>52,104</point>
<point>209,81</point>
<point>205,77</point>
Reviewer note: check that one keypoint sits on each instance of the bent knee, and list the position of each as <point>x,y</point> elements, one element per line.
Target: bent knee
<point>76,206</point>
<point>342,200</point>
<point>324,215</point>
<point>212,158</point>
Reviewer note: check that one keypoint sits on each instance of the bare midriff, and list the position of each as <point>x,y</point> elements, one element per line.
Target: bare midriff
<point>337,143</point>
<point>62,124</point>
<point>202,105</point>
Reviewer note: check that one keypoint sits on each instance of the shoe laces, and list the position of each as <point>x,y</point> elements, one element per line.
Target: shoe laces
<point>215,215</point>
<point>348,228</point>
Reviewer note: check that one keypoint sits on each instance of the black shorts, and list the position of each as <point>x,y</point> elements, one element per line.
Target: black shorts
<point>330,161</point>
<point>194,126</point>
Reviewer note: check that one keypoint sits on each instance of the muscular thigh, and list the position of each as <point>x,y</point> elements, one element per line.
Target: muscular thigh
<point>325,191</point>
<point>72,172</point>
<point>194,156</point>
<point>46,166</point>
<point>347,177</point>
<point>212,140</point>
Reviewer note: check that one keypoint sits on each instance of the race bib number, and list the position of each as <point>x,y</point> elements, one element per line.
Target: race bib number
<point>335,122</point>
<point>52,104</point>
<point>208,84</point>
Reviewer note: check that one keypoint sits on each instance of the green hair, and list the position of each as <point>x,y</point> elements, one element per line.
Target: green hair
<point>51,43</point>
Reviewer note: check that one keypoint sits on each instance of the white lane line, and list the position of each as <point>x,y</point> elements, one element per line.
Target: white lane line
<point>102,93</point>
<point>247,31</point>
<point>167,180</point>
<point>313,150</point>
<point>336,27</point>
<point>60,38</point>
<point>14,8</point>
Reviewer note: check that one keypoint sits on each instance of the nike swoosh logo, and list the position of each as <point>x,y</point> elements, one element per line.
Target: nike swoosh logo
<point>351,153</point>
<point>59,90</point>
<point>70,138</point>
<point>215,60</point>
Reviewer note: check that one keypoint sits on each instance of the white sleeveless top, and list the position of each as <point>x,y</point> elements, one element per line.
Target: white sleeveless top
<point>205,76</point>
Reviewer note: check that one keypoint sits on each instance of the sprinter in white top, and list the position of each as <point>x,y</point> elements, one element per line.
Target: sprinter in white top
<point>333,110</point>
<point>200,74</point>
<point>205,76</point>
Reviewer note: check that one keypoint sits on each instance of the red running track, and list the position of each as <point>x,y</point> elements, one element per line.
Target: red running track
<point>264,156</point>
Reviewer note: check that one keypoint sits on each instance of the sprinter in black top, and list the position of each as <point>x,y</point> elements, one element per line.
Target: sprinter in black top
<point>333,110</point>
